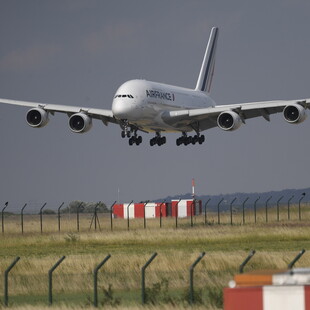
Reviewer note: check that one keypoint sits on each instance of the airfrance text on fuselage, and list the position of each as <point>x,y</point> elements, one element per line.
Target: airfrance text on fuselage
<point>159,95</point>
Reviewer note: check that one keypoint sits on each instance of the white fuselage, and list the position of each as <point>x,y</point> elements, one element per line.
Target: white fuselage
<point>144,103</point>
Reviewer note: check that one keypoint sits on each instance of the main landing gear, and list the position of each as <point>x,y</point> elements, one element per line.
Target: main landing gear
<point>135,139</point>
<point>158,139</point>
<point>184,139</point>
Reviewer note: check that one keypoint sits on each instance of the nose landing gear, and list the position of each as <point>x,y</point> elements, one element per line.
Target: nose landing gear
<point>131,133</point>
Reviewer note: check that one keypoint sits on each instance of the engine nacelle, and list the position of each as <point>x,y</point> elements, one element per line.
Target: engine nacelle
<point>294,113</point>
<point>37,117</point>
<point>229,120</point>
<point>80,123</point>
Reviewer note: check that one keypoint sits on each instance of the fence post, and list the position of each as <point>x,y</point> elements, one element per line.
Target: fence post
<point>161,214</point>
<point>191,278</point>
<point>193,205</point>
<point>243,211</point>
<point>50,280</point>
<point>111,214</point>
<point>144,217</point>
<point>231,217</point>
<point>143,277</point>
<point>292,263</point>
<point>218,211</point>
<point>299,211</point>
<point>96,216</point>
<point>255,208</point>
<point>128,214</point>
<point>22,217</point>
<point>41,217</point>
<point>278,208</point>
<point>59,216</point>
<point>96,278</point>
<point>6,281</point>
<point>206,210</point>
<point>267,208</point>
<point>2,215</point>
<point>177,213</point>
<point>241,267</point>
<point>288,208</point>
<point>78,216</point>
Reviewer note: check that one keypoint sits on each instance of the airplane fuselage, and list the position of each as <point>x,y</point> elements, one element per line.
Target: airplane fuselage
<point>144,104</point>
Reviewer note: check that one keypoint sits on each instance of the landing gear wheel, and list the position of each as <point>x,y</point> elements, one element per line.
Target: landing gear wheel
<point>201,139</point>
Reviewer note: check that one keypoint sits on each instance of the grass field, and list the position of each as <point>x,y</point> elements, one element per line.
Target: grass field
<point>167,278</point>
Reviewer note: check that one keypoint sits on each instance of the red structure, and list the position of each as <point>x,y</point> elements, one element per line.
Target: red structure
<point>182,208</point>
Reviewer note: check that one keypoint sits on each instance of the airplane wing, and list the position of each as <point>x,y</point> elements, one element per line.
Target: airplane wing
<point>105,115</point>
<point>208,117</point>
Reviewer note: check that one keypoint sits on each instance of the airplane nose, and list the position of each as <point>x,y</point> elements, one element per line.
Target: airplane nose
<point>121,109</point>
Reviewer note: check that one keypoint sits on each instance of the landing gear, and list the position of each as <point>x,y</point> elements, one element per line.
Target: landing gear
<point>135,140</point>
<point>158,139</point>
<point>130,132</point>
<point>184,139</point>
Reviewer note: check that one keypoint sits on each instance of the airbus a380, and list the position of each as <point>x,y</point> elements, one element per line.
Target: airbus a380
<point>145,106</point>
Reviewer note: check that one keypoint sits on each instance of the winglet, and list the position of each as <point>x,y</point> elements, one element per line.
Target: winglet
<point>207,68</point>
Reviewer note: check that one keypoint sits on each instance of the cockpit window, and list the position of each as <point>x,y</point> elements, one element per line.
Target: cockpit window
<point>124,96</point>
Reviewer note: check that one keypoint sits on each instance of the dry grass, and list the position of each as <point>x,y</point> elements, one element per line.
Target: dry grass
<point>226,246</point>
<point>128,307</point>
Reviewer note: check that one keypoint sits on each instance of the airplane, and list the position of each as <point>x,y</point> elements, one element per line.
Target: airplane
<point>141,105</point>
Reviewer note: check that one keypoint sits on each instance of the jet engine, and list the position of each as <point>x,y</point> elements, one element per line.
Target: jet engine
<point>37,117</point>
<point>80,123</point>
<point>229,120</point>
<point>294,113</point>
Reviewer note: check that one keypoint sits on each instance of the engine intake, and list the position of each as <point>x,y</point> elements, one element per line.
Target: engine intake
<point>80,123</point>
<point>229,120</point>
<point>294,113</point>
<point>37,117</point>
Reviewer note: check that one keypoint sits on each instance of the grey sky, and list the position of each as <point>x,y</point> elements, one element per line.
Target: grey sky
<point>79,52</point>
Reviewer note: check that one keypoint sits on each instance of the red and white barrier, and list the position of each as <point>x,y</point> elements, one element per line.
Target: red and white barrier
<point>136,210</point>
<point>184,208</point>
<point>293,297</point>
<point>269,290</point>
